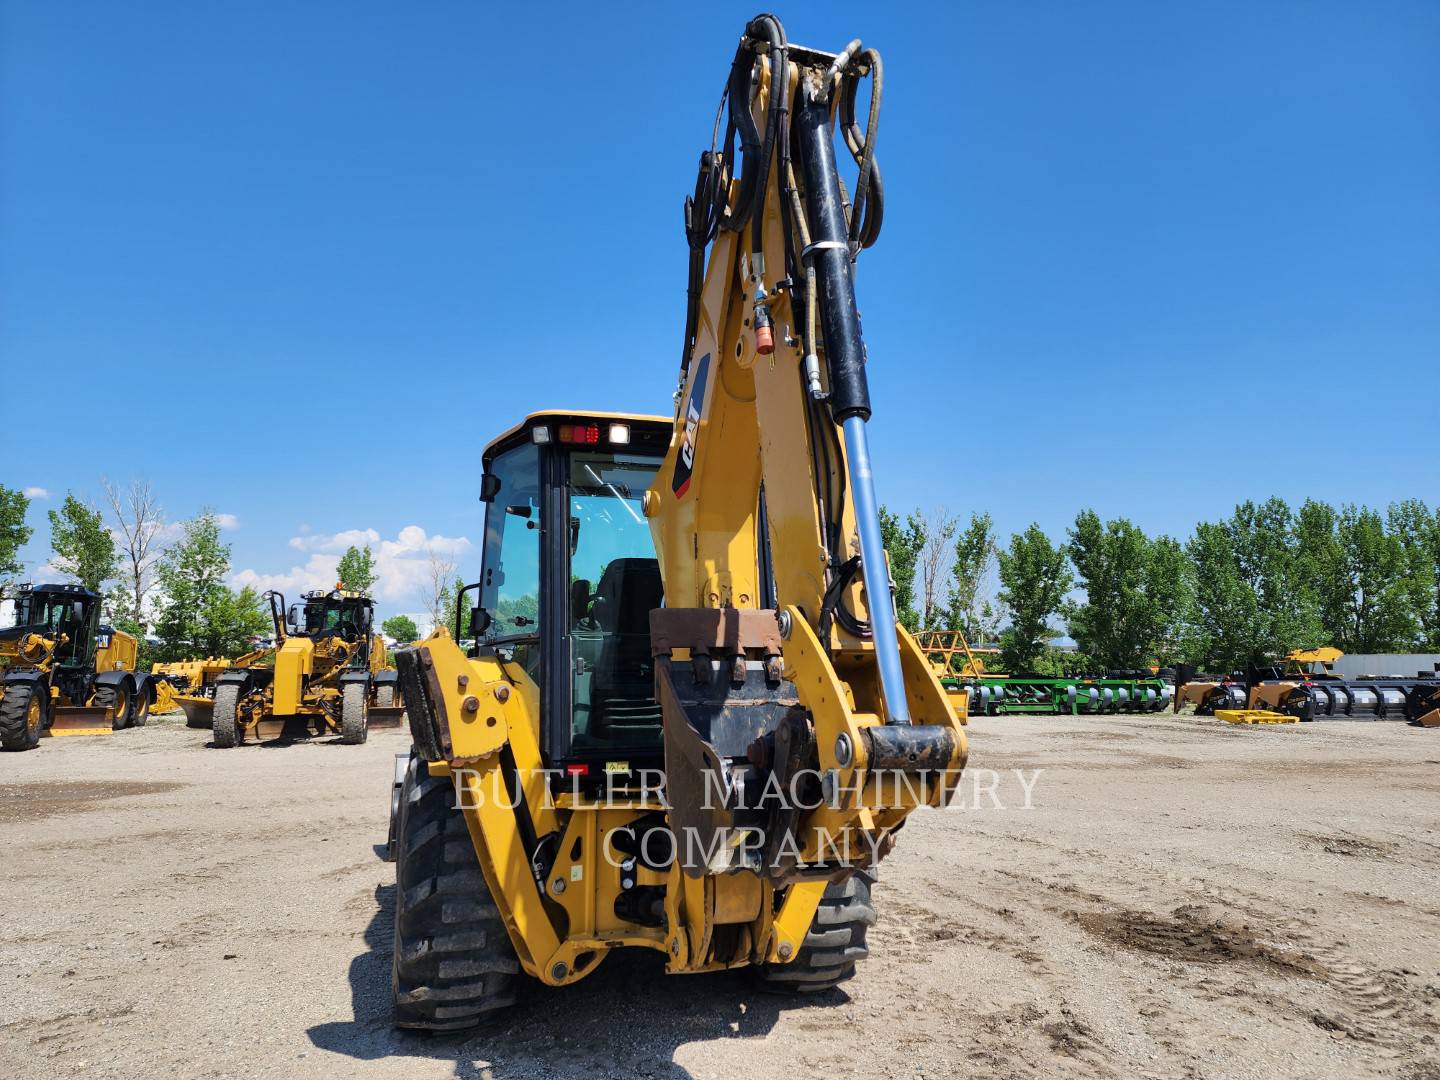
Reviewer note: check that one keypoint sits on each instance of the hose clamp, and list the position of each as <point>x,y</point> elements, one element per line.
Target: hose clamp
<point>823,245</point>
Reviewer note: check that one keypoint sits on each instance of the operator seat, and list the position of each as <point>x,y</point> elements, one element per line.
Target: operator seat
<point>628,591</point>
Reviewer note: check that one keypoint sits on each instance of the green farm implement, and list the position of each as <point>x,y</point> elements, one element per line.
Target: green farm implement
<point>959,669</point>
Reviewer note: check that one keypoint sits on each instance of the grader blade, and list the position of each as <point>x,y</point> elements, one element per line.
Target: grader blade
<point>199,712</point>
<point>80,720</point>
<point>385,719</point>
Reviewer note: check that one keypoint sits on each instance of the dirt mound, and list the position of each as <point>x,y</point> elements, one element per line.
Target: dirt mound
<point>1194,935</point>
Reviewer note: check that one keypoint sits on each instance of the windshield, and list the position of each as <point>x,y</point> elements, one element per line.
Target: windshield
<point>510,575</point>
<point>329,615</point>
<point>614,585</point>
<point>55,615</point>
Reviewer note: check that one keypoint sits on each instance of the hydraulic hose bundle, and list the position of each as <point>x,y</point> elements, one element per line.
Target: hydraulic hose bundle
<point>824,232</point>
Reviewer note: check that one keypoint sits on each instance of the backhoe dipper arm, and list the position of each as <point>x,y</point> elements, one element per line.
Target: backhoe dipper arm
<point>758,410</point>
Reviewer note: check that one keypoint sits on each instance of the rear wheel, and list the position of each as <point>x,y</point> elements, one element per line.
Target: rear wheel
<point>385,696</point>
<point>353,713</point>
<point>454,965</point>
<point>22,716</point>
<point>834,945</point>
<point>140,708</point>
<point>116,701</point>
<point>226,724</point>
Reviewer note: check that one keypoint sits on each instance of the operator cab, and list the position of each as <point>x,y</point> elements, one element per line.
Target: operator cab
<point>55,610</point>
<point>347,614</point>
<point>337,613</point>
<point>569,577</point>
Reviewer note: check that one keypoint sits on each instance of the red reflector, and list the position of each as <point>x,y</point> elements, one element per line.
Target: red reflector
<point>581,434</point>
<point>577,770</point>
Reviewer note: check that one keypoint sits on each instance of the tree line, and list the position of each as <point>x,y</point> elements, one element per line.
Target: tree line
<point>166,586</point>
<point>1246,589</point>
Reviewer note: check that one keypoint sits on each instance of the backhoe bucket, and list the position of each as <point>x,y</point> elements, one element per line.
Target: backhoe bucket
<point>80,720</point>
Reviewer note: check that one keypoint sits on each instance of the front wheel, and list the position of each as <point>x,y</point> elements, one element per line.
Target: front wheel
<point>115,701</point>
<point>354,713</point>
<point>834,944</point>
<point>226,725</point>
<point>22,716</point>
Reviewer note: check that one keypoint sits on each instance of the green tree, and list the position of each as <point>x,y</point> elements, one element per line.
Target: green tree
<point>1138,594</point>
<point>1267,551</point>
<point>974,556</point>
<point>1227,609</point>
<point>199,614</point>
<point>234,619</point>
<point>449,595</point>
<point>401,628</point>
<point>903,543</point>
<point>1416,529</point>
<point>1358,574</point>
<point>14,534</point>
<point>1117,622</point>
<point>1034,579</point>
<point>1171,589</point>
<point>357,569</point>
<point>84,549</point>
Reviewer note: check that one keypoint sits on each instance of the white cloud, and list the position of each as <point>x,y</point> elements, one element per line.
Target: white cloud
<point>227,521</point>
<point>402,564</point>
<point>336,542</point>
<point>36,493</point>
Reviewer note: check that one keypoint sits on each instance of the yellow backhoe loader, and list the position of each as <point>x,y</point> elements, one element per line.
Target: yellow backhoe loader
<point>690,722</point>
<point>329,673</point>
<point>64,673</point>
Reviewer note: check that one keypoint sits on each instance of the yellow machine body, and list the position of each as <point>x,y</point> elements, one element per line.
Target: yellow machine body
<point>294,664</point>
<point>62,673</point>
<point>742,425</point>
<point>298,688</point>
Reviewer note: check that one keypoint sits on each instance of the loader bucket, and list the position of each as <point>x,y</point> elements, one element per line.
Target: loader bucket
<point>80,720</point>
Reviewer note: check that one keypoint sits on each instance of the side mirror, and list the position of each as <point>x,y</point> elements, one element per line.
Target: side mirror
<point>293,616</point>
<point>489,487</point>
<point>479,621</point>
<point>77,611</point>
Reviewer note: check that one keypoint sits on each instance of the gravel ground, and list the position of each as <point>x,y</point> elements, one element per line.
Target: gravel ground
<point>1182,898</point>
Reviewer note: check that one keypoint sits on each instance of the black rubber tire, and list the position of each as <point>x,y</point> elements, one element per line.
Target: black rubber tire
<point>20,725</point>
<point>354,713</point>
<point>113,697</point>
<point>226,726</point>
<point>454,966</point>
<point>385,696</point>
<point>140,708</point>
<point>834,944</point>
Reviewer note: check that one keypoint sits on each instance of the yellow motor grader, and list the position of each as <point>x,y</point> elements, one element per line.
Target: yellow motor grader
<point>689,722</point>
<point>64,673</point>
<point>329,673</point>
<point>189,685</point>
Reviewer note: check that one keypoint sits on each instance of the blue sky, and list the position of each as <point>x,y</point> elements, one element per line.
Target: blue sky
<point>299,262</point>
